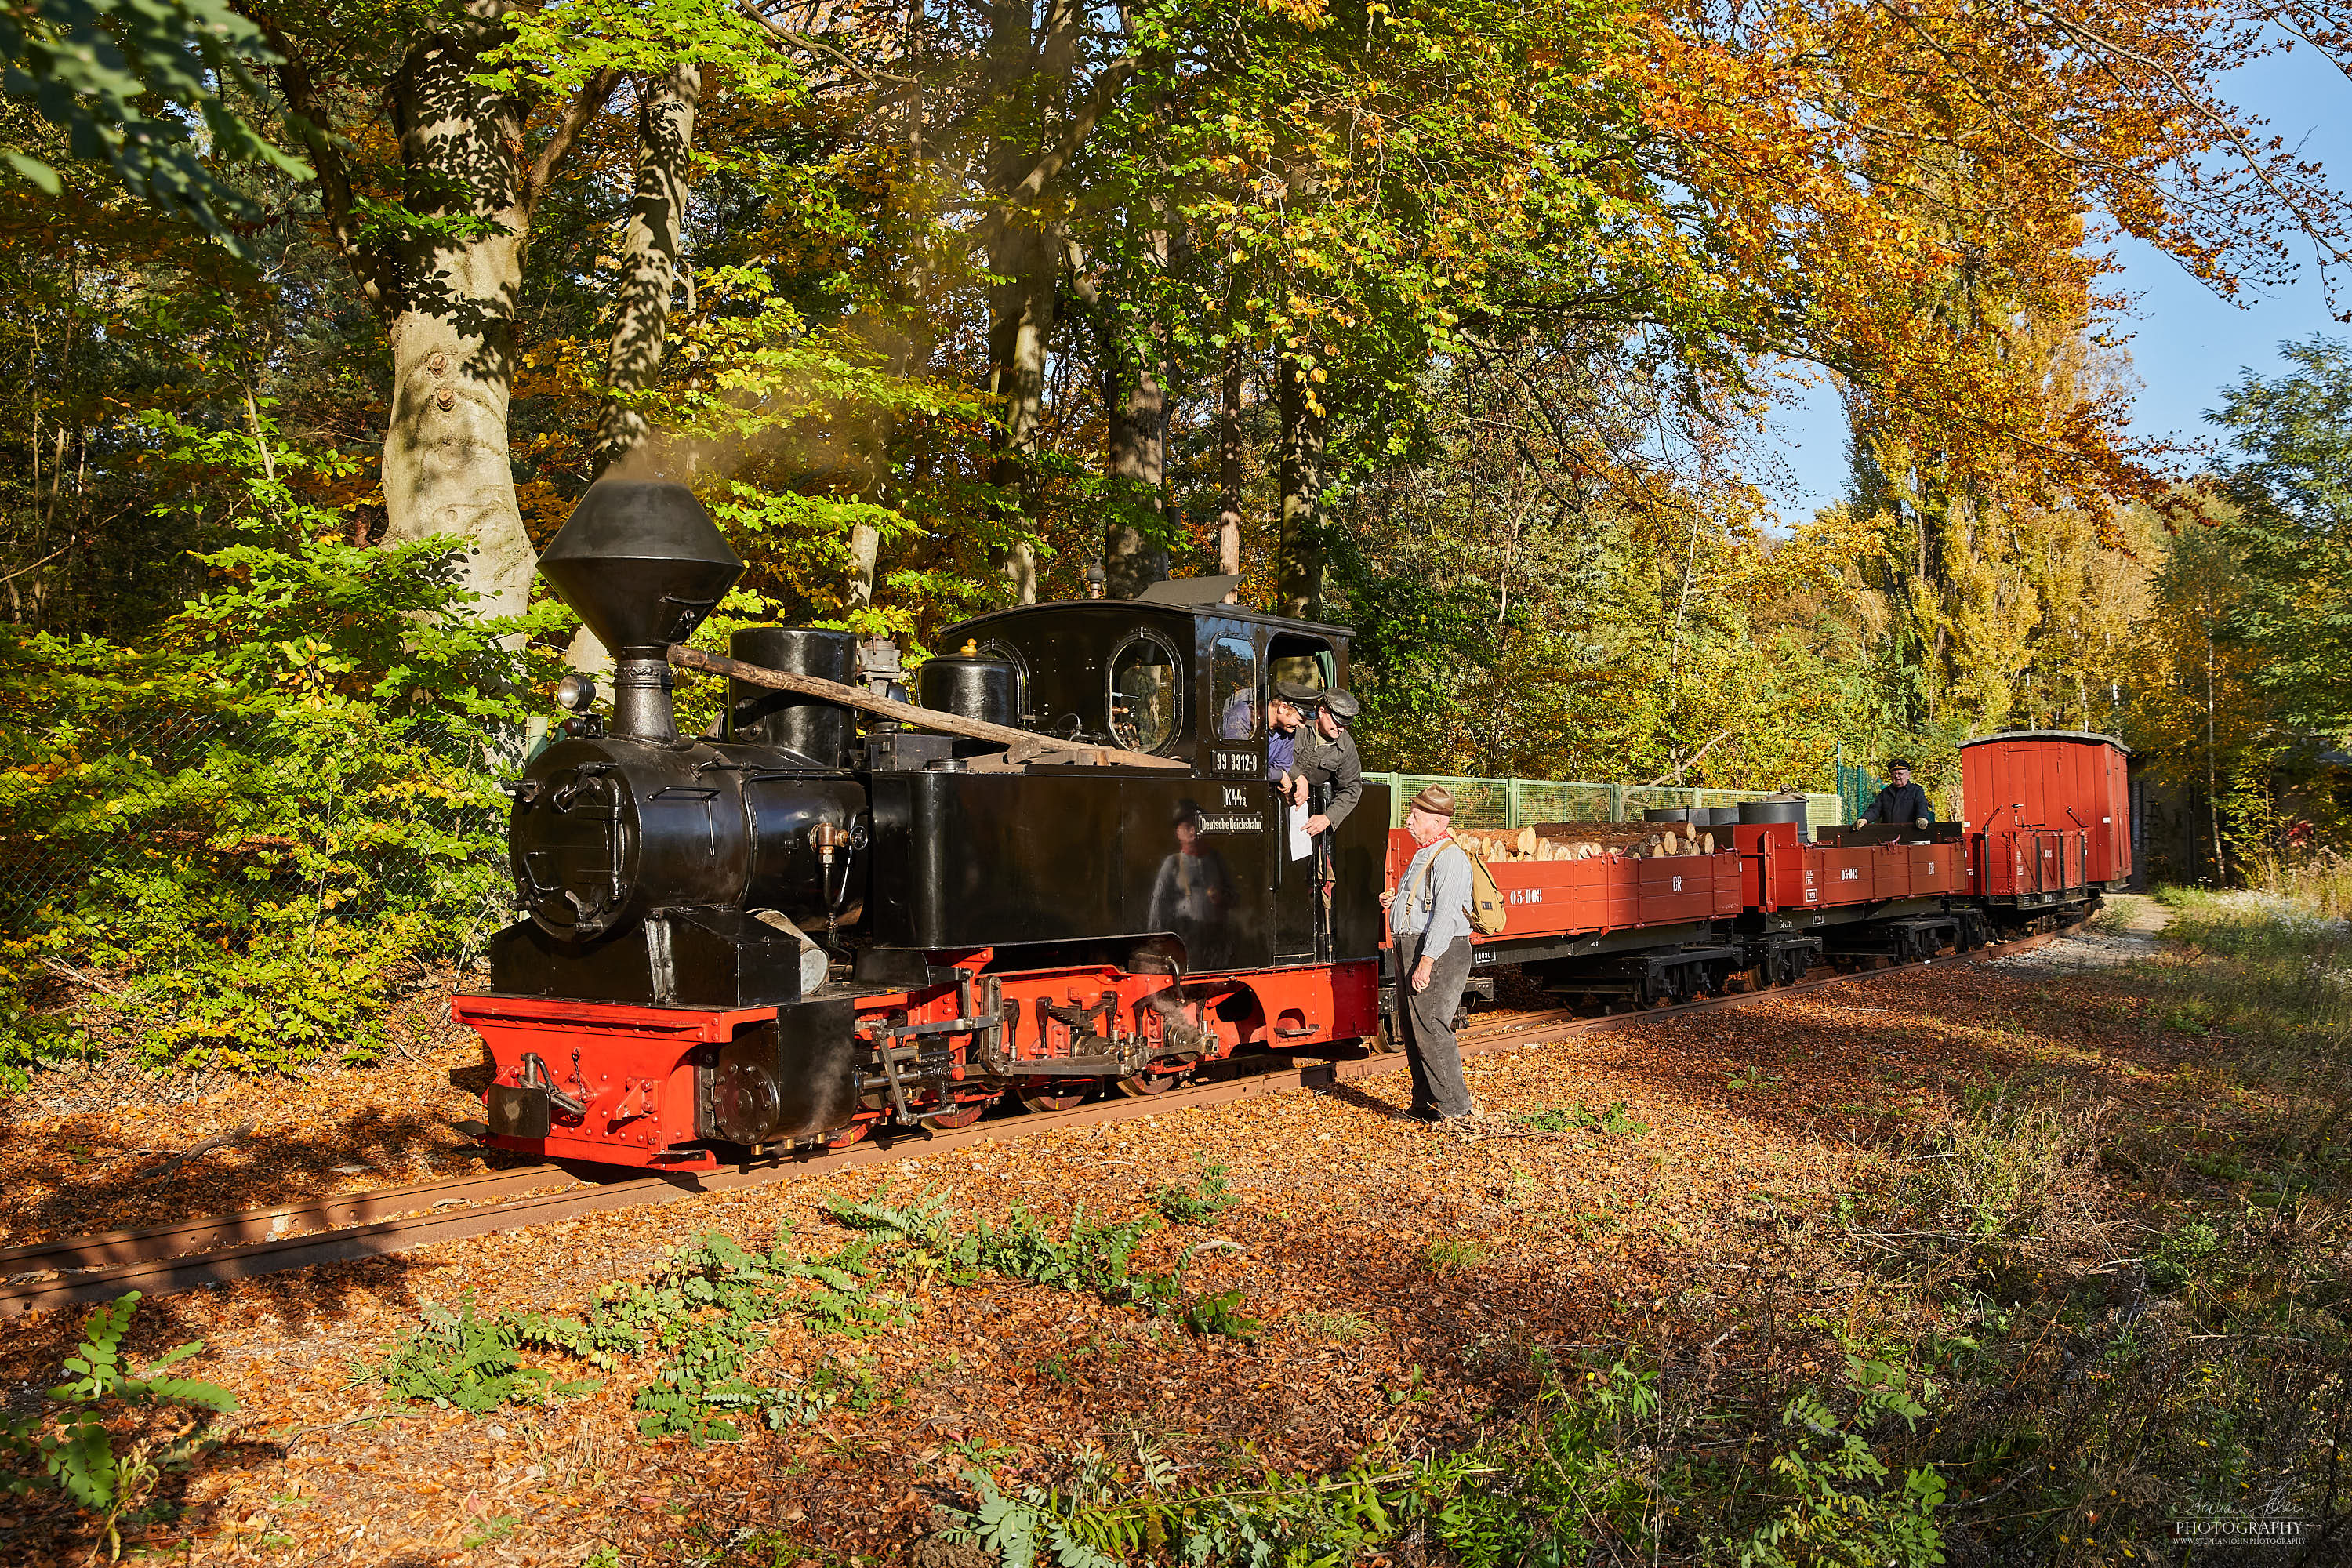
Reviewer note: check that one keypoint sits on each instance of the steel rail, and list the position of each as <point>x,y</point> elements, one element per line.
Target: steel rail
<point>165,1259</point>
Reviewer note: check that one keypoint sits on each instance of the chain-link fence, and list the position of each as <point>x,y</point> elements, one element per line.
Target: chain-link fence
<point>1516,802</point>
<point>261,804</point>
<point>1857,787</point>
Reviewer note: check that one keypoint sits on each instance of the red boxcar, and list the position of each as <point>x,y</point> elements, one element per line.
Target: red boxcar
<point>2054,808</point>
<point>1606,892</point>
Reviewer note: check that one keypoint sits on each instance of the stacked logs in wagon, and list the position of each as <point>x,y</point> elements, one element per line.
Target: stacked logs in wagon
<point>1582,840</point>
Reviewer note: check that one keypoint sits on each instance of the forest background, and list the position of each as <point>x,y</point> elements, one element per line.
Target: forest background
<point>1457,323</point>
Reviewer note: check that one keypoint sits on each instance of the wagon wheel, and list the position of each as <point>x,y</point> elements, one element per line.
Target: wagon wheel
<point>853,1133</point>
<point>964,1114</point>
<point>1146,1084</point>
<point>1051,1093</point>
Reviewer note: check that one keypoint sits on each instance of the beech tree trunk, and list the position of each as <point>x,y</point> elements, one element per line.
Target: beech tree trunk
<point>1229,463</point>
<point>1135,449</point>
<point>1299,569</point>
<point>1135,397</point>
<point>447,468</point>
<point>653,248</point>
<point>651,252</point>
<point>1020,325</point>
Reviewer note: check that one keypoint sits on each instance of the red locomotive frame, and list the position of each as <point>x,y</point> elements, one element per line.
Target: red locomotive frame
<point>634,1069</point>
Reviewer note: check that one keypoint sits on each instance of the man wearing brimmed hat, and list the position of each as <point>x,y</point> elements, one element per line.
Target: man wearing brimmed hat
<point>1429,915</point>
<point>1901,804</point>
<point>1327,756</point>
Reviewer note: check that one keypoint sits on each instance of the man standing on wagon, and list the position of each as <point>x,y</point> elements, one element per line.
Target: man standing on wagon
<point>1901,804</point>
<point>1429,917</point>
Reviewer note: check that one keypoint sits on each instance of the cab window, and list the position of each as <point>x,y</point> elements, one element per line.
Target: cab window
<point>1232,686</point>
<point>1303,661</point>
<point>1143,692</point>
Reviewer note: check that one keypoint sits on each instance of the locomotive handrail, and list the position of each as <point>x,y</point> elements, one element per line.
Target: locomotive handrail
<point>1045,747</point>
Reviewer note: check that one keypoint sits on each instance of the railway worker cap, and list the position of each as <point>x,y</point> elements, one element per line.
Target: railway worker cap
<point>1435,799</point>
<point>1895,762</point>
<point>1187,810</point>
<point>1299,695</point>
<point>1341,704</point>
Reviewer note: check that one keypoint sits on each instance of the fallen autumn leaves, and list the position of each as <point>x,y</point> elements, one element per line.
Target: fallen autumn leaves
<point>1413,1282</point>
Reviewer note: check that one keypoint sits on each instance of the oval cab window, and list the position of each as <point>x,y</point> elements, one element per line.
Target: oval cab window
<point>1143,693</point>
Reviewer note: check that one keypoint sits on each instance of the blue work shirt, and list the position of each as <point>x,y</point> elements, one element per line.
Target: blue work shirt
<point>1281,749</point>
<point>1433,898</point>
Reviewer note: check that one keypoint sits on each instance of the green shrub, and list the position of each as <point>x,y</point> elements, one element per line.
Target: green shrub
<point>1200,1202</point>
<point>461,1361</point>
<point>228,843</point>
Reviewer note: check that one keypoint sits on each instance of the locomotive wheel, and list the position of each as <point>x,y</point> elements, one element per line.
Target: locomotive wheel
<point>853,1133</point>
<point>1051,1093</point>
<point>1385,1042</point>
<point>963,1115</point>
<point>1144,1084</point>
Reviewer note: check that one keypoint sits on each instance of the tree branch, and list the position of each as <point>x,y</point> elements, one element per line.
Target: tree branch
<point>1098,102</point>
<point>377,277</point>
<point>820,48</point>
<point>585,105</point>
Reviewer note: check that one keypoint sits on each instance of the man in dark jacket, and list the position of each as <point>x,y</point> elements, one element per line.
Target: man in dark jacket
<point>1901,804</point>
<point>1327,756</point>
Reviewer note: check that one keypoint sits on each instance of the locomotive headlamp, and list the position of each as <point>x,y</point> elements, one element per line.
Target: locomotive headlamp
<point>575,693</point>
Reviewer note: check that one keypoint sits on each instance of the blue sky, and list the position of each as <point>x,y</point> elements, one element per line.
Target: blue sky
<point>2187,344</point>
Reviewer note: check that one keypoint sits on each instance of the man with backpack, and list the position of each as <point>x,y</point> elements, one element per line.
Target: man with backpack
<point>1430,917</point>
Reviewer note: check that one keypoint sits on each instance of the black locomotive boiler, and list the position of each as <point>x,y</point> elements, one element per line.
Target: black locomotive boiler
<point>819,920</point>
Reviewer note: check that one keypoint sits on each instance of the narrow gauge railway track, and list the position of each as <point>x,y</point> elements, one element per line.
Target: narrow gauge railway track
<point>198,1253</point>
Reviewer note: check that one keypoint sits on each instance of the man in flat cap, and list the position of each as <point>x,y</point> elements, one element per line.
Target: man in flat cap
<point>1327,756</point>
<point>1429,918</point>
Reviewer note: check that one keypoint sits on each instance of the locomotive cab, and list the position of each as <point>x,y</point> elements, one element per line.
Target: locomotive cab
<point>967,855</point>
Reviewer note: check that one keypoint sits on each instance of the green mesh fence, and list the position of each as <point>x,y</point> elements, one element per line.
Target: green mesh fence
<point>1515,802</point>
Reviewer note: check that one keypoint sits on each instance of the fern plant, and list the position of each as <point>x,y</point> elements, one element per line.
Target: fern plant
<point>69,1448</point>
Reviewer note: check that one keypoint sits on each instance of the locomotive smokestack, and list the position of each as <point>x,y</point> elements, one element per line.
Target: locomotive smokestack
<point>641,563</point>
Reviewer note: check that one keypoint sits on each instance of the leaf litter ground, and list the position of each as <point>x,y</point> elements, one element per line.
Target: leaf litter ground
<point>1408,1279</point>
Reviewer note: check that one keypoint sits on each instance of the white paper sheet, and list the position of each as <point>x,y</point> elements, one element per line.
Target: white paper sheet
<point>1301,845</point>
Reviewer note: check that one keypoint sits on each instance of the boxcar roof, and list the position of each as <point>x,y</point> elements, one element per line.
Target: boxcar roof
<point>2089,736</point>
<point>1133,607</point>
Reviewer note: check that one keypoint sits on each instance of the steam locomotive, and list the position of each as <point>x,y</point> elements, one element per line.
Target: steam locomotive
<point>801,927</point>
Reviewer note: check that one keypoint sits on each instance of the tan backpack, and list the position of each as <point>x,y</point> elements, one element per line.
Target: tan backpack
<point>1487,910</point>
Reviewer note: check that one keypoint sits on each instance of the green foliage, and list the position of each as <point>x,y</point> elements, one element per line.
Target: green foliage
<point>1089,1256</point>
<point>1450,1254</point>
<point>123,78</point>
<point>2291,437</point>
<point>461,1361</point>
<point>235,838</point>
<point>1565,1477</point>
<point>1198,1203</point>
<point>71,1447</point>
<point>705,1312</point>
<point>1840,1513</point>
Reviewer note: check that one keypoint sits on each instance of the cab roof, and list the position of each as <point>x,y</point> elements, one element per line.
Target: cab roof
<point>1132,607</point>
<point>2087,737</point>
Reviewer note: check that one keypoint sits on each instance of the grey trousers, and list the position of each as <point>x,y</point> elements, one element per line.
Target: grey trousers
<point>1427,1019</point>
